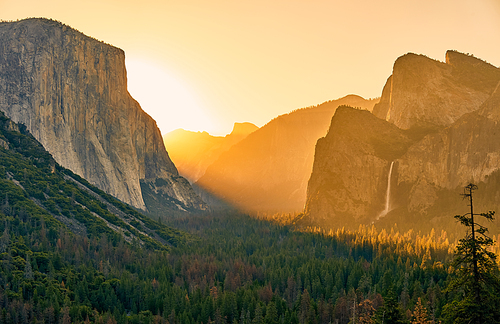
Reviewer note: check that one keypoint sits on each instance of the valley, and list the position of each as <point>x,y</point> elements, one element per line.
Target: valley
<point>340,212</point>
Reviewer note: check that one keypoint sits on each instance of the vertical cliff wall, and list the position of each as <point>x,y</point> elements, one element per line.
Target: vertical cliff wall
<point>351,165</point>
<point>71,92</point>
<point>426,93</point>
<point>467,151</point>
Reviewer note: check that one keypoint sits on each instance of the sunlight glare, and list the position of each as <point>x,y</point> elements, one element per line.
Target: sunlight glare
<point>165,98</point>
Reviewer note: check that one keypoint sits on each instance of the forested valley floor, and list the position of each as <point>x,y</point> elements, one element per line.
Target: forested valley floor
<point>234,269</point>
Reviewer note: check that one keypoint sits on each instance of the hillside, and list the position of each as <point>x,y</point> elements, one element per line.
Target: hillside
<point>36,190</point>
<point>268,170</point>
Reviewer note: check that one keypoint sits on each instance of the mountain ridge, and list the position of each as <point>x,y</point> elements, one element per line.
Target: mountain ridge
<point>424,92</point>
<point>193,152</point>
<point>268,170</point>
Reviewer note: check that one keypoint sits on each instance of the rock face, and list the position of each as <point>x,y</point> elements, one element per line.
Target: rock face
<point>351,166</point>
<point>268,170</point>
<point>441,131</point>
<point>422,92</point>
<point>467,151</point>
<point>193,152</point>
<point>71,93</point>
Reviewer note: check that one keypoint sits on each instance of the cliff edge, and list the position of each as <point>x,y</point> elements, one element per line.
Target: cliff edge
<point>70,91</point>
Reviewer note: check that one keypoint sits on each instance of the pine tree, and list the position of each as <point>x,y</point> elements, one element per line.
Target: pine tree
<point>390,312</point>
<point>365,312</point>
<point>271,314</point>
<point>4,239</point>
<point>476,273</point>
<point>420,315</point>
<point>28,271</point>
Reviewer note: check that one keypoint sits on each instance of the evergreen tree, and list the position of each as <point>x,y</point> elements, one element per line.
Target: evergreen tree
<point>271,314</point>
<point>476,273</point>
<point>28,271</point>
<point>4,239</point>
<point>420,315</point>
<point>390,312</point>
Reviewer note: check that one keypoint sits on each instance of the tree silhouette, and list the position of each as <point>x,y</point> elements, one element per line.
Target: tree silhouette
<point>476,273</point>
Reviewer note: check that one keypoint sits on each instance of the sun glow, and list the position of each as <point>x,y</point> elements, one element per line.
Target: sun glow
<point>165,98</point>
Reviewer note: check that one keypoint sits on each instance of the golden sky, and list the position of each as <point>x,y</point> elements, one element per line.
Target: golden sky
<point>205,64</point>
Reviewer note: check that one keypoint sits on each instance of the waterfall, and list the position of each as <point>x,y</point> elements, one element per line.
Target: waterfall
<point>387,194</point>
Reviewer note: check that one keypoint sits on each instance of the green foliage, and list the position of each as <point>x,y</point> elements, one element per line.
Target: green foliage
<point>390,312</point>
<point>476,278</point>
<point>239,268</point>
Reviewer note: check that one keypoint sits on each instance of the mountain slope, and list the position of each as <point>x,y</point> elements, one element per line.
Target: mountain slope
<point>193,152</point>
<point>268,170</point>
<point>71,93</point>
<point>36,187</point>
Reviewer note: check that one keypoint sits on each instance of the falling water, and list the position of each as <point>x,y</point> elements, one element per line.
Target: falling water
<point>387,194</point>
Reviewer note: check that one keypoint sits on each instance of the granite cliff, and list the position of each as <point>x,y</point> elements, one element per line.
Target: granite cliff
<point>466,151</point>
<point>71,93</point>
<point>425,93</point>
<point>351,164</point>
<point>269,169</point>
<point>438,129</point>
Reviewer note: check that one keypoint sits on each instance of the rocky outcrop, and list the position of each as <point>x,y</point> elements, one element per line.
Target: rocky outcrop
<point>351,165</point>
<point>415,176</point>
<point>193,152</point>
<point>467,151</point>
<point>425,93</point>
<point>268,170</point>
<point>71,93</point>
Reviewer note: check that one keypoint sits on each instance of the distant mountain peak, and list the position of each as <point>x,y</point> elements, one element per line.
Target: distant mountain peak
<point>244,128</point>
<point>193,152</point>
<point>457,58</point>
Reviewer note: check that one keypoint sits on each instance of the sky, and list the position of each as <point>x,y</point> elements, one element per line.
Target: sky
<point>203,65</point>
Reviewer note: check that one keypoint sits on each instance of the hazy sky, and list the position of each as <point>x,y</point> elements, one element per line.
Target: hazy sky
<point>205,64</point>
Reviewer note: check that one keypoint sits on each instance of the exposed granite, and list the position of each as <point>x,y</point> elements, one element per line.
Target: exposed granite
<point>422,92</point>
<point>71,92</point>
